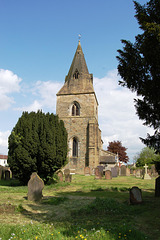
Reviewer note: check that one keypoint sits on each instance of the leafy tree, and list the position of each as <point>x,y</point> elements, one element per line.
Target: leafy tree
<point>146,156</point>
<point>37,143</point>
<point>139,67</point>
<point>116,147</point>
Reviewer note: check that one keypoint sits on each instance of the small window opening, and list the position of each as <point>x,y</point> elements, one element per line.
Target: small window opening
<point>75,110</point>
<point>76,74</point>
<point>75,148</point>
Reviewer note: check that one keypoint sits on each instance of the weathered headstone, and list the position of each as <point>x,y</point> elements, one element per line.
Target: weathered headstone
<point>146,175</point>
<point>127,171</point>
<point>87,171</point>
<point>60,176</point>
<point>35,187</point>
<point>108,174</point>
<point>157,187</point>
<point>67,175</point>
<point>138,173</point>
<point>101,169</point>
<point>7,175</point>
<point>123,170</point>
<point>135,195</point>
<point>98,173</point>
<point>114,171</point>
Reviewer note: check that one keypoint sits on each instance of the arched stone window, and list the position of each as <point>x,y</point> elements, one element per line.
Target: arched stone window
<point>76,74</point>
<point>75,109</point>
<point>75,147</point>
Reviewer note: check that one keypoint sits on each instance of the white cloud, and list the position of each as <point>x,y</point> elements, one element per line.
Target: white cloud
<point>9,83</point>
<point>4,142</point>
<point>117,117</point>
<point>44,94</point>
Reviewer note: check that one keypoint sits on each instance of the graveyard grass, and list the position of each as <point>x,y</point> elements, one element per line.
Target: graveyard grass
<point>85,209</point>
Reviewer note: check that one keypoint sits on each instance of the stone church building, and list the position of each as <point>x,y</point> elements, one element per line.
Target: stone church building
<point>77,106</point>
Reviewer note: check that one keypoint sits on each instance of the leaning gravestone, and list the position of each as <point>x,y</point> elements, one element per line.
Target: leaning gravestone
<point>157,187</point>
<point>35,187</point>
<point>60,176</point>
<point>123,170</point>
<point>135,195</point>
<point>108,174</point>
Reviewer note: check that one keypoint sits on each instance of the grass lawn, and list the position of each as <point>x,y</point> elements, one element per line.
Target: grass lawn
<point>83,209</point>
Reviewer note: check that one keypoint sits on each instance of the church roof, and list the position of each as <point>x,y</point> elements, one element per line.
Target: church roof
<point>78,79</point>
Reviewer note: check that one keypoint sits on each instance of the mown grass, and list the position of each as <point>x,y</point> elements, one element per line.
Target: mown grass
<point>84,209</point>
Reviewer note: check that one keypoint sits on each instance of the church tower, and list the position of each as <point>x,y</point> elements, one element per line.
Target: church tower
<point>77,106</point>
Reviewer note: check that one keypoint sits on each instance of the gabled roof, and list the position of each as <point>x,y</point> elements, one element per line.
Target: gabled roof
<point>83,83</point>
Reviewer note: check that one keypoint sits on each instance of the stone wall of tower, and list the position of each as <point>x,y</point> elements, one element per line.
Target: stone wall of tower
<point>83,127</point>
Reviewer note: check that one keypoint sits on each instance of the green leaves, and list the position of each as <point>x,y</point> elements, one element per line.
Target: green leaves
<point>38,143</point>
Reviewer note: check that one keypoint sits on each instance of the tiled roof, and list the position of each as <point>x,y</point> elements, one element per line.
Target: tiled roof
<point>107,159</point>
<point>3,157</point>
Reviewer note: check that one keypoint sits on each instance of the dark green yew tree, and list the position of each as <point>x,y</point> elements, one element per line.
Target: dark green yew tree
<point>38,143</point>
<point>139,67</point>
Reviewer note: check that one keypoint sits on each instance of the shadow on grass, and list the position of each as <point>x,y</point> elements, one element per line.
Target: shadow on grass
<point>10,183</point>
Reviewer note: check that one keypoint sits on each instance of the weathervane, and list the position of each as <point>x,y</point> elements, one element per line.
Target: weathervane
<point>79,36</point>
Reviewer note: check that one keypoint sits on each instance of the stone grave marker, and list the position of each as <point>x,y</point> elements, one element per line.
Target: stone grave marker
<point>35,187</point>
<point>98,173</point>
<point>123,170</point>
<point>146,175</point>
<point>114,171</point>
<point>108,174</point>
<point>127,171</point>
<point>87,171</point>
<point>135,195</point>
<point>67,175</point>
<point>60,176</point>
<point>157,187</point>
<point>7,175</point>
<point>138,173</point>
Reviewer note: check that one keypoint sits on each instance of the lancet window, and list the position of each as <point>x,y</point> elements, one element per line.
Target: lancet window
<point>75,109</point>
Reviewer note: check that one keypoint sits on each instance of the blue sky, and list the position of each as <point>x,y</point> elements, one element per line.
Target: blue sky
<point>37,43</point>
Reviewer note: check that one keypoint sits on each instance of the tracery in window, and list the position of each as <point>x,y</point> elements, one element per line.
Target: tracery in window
<point>75,109</point>
<point>76,74</point>
<point>75,147</point>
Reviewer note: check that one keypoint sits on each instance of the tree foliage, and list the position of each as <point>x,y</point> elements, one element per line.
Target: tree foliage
<point>116,147</point>
<point>37,143</point>
<point>139,67</point>
<point>146,156</point>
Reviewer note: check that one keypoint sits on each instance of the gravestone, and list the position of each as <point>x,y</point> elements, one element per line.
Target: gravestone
<point>146,175</point>
<point>35,187</point>
<point>7,175</point>
<point>98,173</point>
<point>67,175</point>
<point>135,195</point>
<point>87,171</point>
<point>123,170</point>
<point>60,176</point>
<point>108,174</point>
<point>101,169</point>
<point>114,171</point>
<point>138,173</point>
<point>127,171</point>
<point>157,187</point>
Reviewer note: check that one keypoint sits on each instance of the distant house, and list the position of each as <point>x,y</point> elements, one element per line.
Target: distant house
<point>3,160</point>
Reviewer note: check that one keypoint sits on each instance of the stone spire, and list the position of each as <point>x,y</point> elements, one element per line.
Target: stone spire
<point>78,79</point>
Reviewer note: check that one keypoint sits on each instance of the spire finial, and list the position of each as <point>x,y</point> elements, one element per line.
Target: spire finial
<point>79,37</point>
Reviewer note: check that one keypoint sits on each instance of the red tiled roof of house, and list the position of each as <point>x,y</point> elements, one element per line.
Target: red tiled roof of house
<point>3,157</point>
